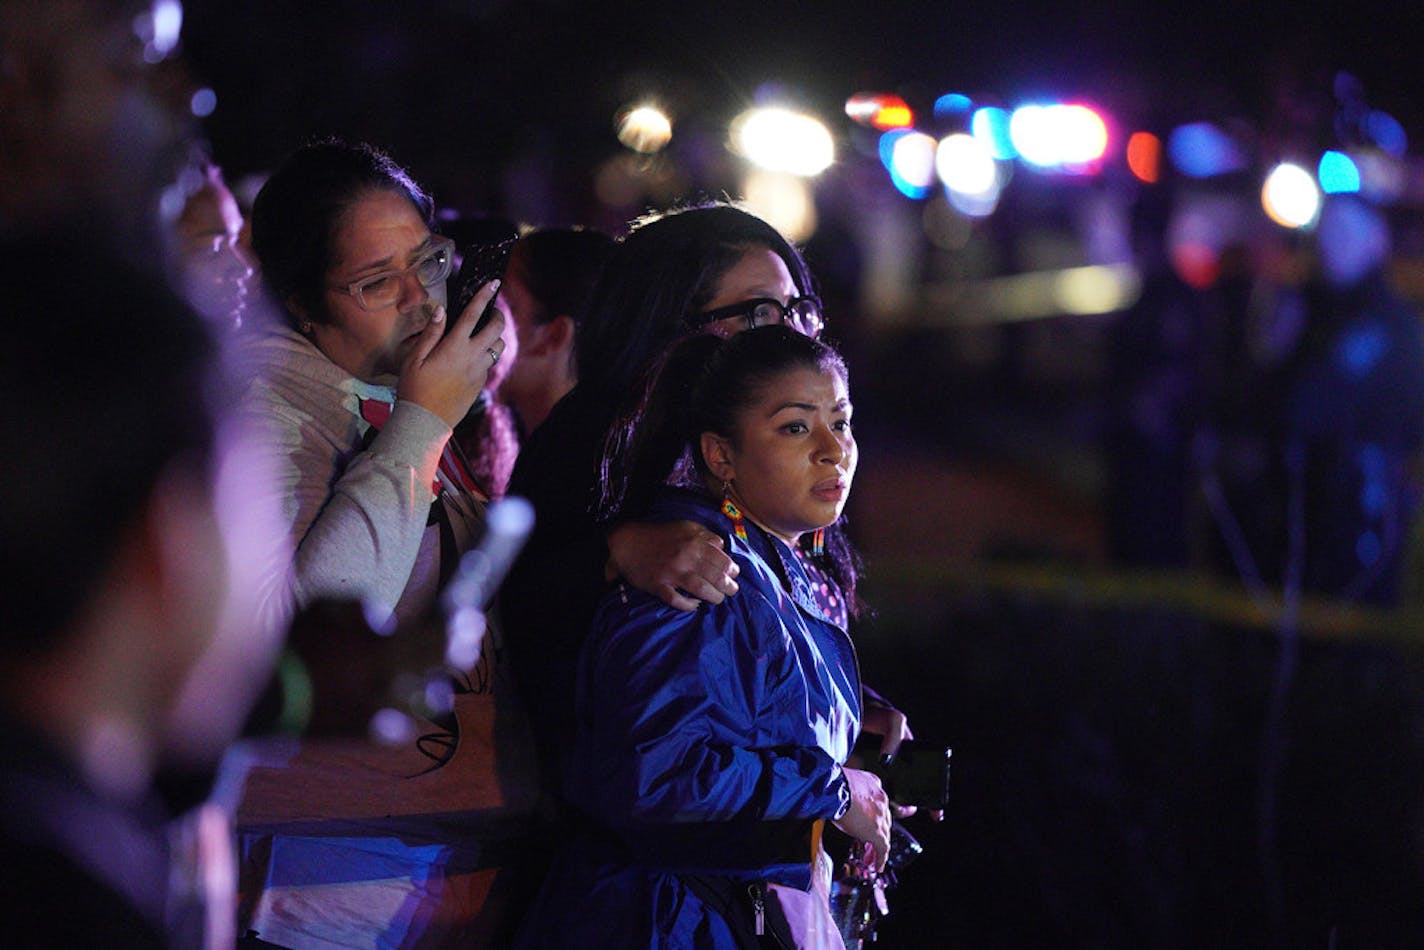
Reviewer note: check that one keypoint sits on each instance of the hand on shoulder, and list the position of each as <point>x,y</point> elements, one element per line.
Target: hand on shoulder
<point>680,562</point>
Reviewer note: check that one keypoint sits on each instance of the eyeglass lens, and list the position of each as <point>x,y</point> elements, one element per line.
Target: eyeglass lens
<point>383,290</point>
<point>805,315</point>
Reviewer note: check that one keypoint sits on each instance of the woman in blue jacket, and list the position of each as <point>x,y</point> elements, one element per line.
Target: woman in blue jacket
<point>711,744</point>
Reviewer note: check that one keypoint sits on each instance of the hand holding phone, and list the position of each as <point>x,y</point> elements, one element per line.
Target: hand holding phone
<point>917,774</point>
<point>481,264</point>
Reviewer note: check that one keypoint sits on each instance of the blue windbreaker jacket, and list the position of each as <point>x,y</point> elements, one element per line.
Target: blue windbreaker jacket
<point>708,743</point>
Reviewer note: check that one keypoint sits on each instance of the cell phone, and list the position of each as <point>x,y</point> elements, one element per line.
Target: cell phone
<point>480,264</point>
<point>918,774</point>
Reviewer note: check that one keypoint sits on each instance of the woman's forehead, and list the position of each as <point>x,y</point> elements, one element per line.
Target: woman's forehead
<point>759,272</point>
<point>821,386</point>
<point>377,224</point>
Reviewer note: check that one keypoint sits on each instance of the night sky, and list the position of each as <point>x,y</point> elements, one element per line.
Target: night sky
<point>459,89</point>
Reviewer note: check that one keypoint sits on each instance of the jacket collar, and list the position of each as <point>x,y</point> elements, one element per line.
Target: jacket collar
<point>685,504</point>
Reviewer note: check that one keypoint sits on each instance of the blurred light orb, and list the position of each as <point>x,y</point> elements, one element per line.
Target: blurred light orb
<point>990,125</point>
<point>879,110</point>
<point>779,140</point>
<point>886,147</point>
<point>783,199</point>
<point>966,165</point>
<point>439,695</point>
<point>1058,136</point>
<point>1196,262</point>
<point>1095,289</point>
<point>973,206</point>
<point>645,129</point>
<point>1144,157</point>
<point>894,117</point>
<point>1386,132</point>
<point>1032,133</point>
<point>464,637</point>
<point>1085,134</point>
<point>912,163</point>
<point>862,107</point>
<point>1202,150</point>
<point>1290,196</point>
<point>203,103</point>
<point>1362,349</point>
<point>1382,178</point>
<point>1338,174</point>
<point>159,28</point>
<point>952,104</point>
<point>392,727</point>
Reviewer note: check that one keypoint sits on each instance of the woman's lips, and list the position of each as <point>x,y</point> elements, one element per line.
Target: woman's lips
<point>831,490</point>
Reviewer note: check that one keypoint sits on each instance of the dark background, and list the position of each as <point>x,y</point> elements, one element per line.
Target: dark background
<point>457,89</point>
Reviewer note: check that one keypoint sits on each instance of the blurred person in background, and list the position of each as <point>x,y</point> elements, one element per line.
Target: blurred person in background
<point>1356,411</point>
<point>130,647</point>
<point>94,118</point>
<point>549,278</point>
<point>213,266</point>
<point>131,519</point>
<point>1156,394</point>
<point>548,275</point>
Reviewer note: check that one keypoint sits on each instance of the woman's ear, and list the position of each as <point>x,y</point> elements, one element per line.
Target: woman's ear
<point>303,321</point>
<point>718,454</point>
<point>556,336</point>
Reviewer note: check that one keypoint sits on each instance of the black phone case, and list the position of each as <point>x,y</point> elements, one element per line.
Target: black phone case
<point>480,264</point>
<point>917,775</point>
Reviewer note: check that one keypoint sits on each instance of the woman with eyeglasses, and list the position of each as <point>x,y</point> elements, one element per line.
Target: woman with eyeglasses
<point>360,391</point>
<point>709,267</point>
<point>706,267</point>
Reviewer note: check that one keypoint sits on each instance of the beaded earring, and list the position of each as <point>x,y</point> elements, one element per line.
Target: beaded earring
<point>730,509</point>
<point>818,542</point>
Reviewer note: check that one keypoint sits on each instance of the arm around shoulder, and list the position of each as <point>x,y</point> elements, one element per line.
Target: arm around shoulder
<point>681,563</point>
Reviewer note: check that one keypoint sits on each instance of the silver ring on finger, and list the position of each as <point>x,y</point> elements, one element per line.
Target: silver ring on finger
<point>494,354</point>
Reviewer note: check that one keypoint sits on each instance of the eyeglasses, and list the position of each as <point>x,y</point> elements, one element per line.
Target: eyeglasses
<point>802,314</point>
<point>384,289</point>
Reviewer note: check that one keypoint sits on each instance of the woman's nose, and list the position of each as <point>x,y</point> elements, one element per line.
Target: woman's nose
<point>830,448</point>
<point>413,292</point>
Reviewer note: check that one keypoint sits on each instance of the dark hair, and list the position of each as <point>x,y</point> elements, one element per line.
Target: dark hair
<point>296,215</point>
<point>560,266</point>
<point>662,273</point>
<point>110,385</point>
<point>468,230</point>
<point>705,383</point>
